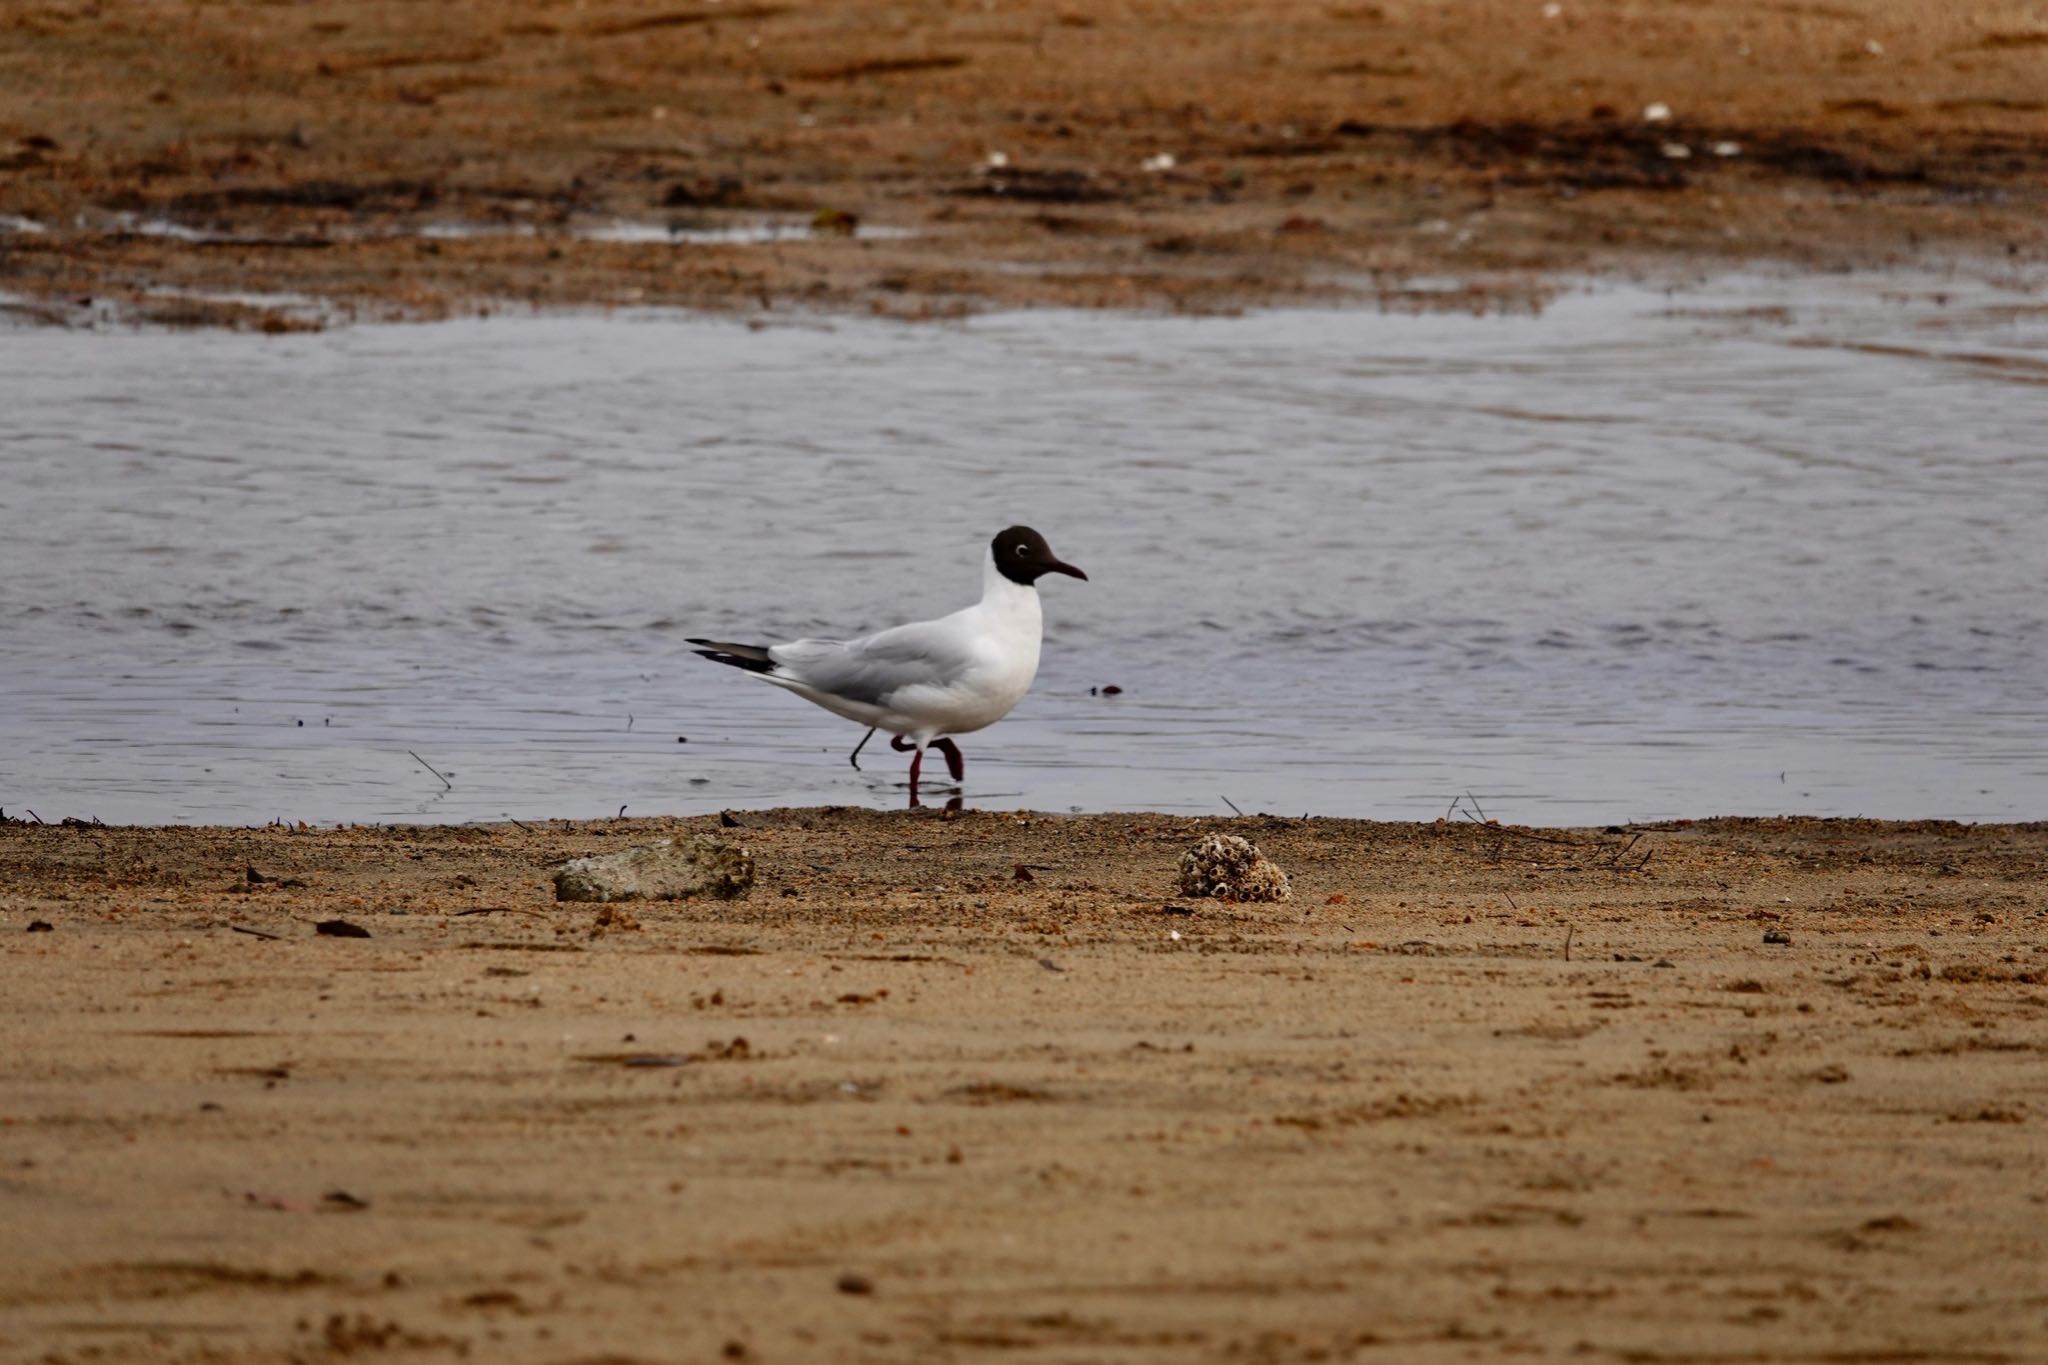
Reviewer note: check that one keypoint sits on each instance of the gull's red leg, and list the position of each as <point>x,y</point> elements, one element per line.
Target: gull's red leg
<point>955,764</point>
<point>904,746</point>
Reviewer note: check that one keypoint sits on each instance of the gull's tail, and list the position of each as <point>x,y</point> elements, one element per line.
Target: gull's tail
<point>753,658</point>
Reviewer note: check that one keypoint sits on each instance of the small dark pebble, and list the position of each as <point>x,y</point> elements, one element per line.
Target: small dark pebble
<point>835,220</point>
<point>342,1199</point>
<point>340,928</point>
<point>1663,962</point>
<point>727,821</point>
<point>1177,910</point>
<point>1022,874</point>
<point>41,926</point>
<point>210,1107</point>
<point>850,1283</point>
<point>1614,829</point>
<point>1776,936</point>
<point>735,1350</point>
<point>1050,965</point>
<point>681,739</point>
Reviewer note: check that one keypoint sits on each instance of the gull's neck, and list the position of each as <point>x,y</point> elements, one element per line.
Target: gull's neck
<point>1004,596</point>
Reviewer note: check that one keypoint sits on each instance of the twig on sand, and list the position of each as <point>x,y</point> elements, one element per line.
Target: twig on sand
<point>1233,805</point>
<point>1539,838</point>
<point>1569,931</point>
<point>498,910</point>
<point>1616,854</point>
<point>1620,851</point>
<point>445,783</point>
<point>254,933</point>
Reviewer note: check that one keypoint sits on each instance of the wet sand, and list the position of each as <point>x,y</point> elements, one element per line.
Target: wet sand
<point>1192,156</point>
<point>982,1086</point>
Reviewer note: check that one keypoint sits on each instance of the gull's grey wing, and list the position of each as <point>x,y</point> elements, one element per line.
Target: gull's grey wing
<point>874,668</point>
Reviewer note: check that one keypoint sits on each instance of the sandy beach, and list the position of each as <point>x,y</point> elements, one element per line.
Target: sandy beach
<point>983,1086</point>
<point>281,166</point>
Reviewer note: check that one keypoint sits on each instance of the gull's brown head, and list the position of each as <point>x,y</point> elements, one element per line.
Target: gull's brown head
<point>1023,557</point>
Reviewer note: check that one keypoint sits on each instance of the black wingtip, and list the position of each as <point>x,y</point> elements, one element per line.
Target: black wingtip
<point>753,658</point>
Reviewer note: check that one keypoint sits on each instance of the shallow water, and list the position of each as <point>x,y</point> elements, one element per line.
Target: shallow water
<point>1770,545</point>
<point>684,230</point>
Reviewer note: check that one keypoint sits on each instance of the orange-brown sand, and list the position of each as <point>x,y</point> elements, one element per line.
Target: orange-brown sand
<point>1206,154</point>
<point>986,1087</point>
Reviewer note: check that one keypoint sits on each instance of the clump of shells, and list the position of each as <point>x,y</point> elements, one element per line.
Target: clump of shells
<point>1226,867</point>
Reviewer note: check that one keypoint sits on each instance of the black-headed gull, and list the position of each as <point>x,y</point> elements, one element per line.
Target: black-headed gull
<point>930,680</point>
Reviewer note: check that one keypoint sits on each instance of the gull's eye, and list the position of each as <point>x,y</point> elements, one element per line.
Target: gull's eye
<point>1023,549</point>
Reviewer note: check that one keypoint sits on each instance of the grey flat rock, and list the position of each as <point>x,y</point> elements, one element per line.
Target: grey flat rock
<point>668,870</point>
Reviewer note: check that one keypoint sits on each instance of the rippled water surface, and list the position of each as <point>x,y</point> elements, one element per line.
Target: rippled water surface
<point>1772,545</point>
